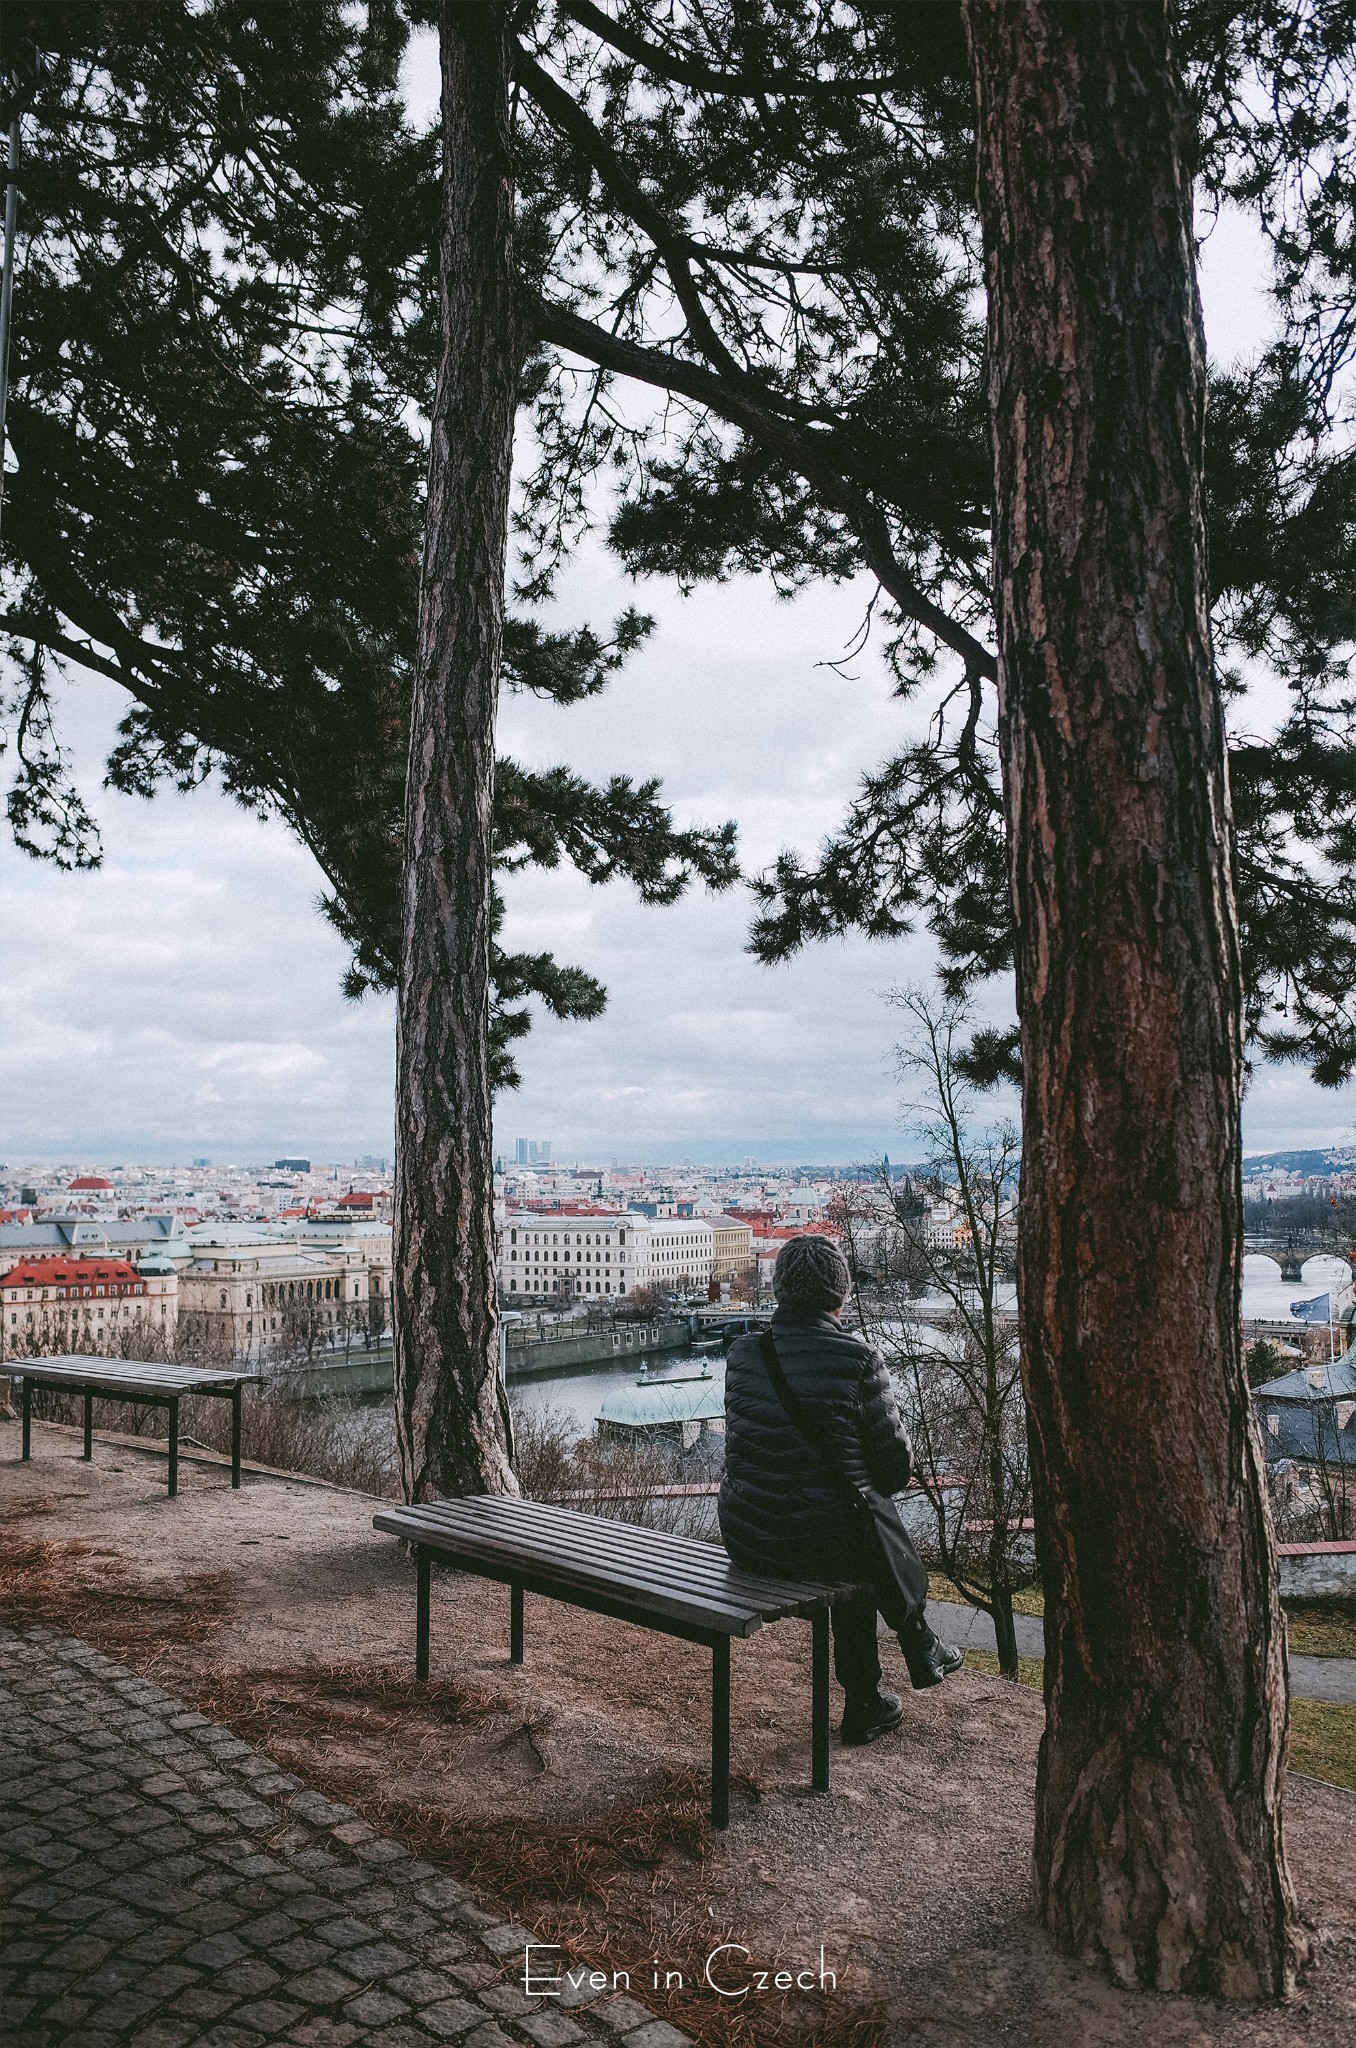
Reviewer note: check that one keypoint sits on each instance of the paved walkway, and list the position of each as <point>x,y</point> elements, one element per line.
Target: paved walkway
<point>1311,1678</point>
<point>163,1883</point>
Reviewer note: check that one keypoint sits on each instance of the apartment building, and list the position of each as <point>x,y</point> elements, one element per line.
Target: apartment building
<point>53,1304</point>
<point>563,1255</point>
<point>555,1255</point>
<point>731,1248</point>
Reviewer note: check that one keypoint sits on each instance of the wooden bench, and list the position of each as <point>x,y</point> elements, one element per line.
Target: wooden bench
<point>670,1583</point>
<point>131,1379</point>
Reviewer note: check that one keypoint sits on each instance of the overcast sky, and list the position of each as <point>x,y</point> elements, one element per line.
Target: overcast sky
<point>184,999</point>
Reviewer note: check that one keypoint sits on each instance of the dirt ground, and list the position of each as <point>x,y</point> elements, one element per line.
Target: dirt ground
<point>572,1789</point>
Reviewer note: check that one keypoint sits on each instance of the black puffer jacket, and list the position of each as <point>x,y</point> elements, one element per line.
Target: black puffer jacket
<point>778,1508</point>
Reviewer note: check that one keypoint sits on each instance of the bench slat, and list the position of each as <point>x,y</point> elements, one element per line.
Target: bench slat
<point>715,1602</point>
<point>693,1564</point>
<point>603,1529</point>
<point>722,1592</point>
<point>549,1512</point>
<point>673,1613</point>
<point>547,1555</point>
<point>104,1383</point>
<point>122,1375</point>
<point>576,1526</point>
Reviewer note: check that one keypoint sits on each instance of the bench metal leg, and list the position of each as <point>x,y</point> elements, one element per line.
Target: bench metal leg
<point>423,1569</point>
<point>720,1732</point>
<point>89,1427</point>
<point>820,1702</point>
<point>173,1448</point>
<point>28,1415</point>
<point>235,1436</point>
<point>515,1624</point>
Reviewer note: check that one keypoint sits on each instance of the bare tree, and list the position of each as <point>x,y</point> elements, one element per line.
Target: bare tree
<point>960,1388</point>
<point>1333,1476</point>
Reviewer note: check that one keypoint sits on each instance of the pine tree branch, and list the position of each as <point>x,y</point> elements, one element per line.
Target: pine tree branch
<point>791,444</point>
<point>675,247</point>
<point>754,85</point>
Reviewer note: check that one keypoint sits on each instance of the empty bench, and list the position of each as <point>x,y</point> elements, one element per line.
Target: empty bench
<point>130,1379</point>
<point>670,1583</point>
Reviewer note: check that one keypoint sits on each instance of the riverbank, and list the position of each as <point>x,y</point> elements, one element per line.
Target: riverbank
<point>545,1349</point>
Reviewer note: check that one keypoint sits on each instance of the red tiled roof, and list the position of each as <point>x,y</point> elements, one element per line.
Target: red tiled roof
<point>59,1272</point>
<point>91,1180</point>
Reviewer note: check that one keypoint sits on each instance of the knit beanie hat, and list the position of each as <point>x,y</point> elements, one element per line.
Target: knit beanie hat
<point>811,1274</point>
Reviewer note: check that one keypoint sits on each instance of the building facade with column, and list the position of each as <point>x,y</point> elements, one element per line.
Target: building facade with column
<point>557,1256</point>
<point>272,1299</point>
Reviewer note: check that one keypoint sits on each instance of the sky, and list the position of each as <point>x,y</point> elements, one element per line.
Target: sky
<point>184,999</point>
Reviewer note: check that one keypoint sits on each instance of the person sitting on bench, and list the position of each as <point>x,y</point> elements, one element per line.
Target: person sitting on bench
<point>814,1448</point>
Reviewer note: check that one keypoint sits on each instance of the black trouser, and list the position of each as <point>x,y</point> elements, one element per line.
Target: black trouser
<point>856,1657</point>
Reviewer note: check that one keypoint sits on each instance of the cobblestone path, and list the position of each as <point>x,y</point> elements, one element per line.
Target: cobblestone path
<point>162,1883</point>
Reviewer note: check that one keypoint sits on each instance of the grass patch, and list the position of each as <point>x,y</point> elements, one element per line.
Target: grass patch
<point>275,1704</point>
<point>1322,1628</point>
<point>1322,1732</point>
<point>1030,1600</point>
<point>1029,1669</point>
<point>1315,1628</point>
<point>1323,1741</point>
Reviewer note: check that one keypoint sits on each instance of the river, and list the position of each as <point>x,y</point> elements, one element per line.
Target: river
<point>579,1392</point>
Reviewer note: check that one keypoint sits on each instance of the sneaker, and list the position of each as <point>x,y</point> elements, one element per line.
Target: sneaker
<point>864,1720</point>
<point>929,1659</point>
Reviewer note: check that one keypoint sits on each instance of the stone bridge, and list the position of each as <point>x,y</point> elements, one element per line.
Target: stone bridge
<point>1291,1252</point>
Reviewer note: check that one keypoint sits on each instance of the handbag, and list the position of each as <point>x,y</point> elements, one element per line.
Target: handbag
<point>875,1515</point>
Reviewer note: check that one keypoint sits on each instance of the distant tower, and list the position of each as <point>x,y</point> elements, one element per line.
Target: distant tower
<point>520,1152</point>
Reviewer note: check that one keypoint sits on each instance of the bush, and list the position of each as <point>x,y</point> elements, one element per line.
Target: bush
<point>626,1482</point>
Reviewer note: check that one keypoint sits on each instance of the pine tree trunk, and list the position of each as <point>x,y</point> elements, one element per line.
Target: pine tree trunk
<point>451,1414</point>
<point>1158,1829</point>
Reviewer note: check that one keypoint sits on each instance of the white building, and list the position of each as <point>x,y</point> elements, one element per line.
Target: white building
<point>555,1256</point>
<point>674,1252</point>
<point>567,1256</point>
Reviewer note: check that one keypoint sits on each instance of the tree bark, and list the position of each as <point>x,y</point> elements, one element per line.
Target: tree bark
<point>1158,1829</point>
<point>1005,1633</point>
<point>451,1412</point>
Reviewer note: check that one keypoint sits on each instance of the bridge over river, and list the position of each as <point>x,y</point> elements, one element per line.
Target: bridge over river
<point>1291,1252</point>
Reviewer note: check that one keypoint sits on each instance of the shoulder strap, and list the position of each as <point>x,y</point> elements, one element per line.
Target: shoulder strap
<point>796,1415</point>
